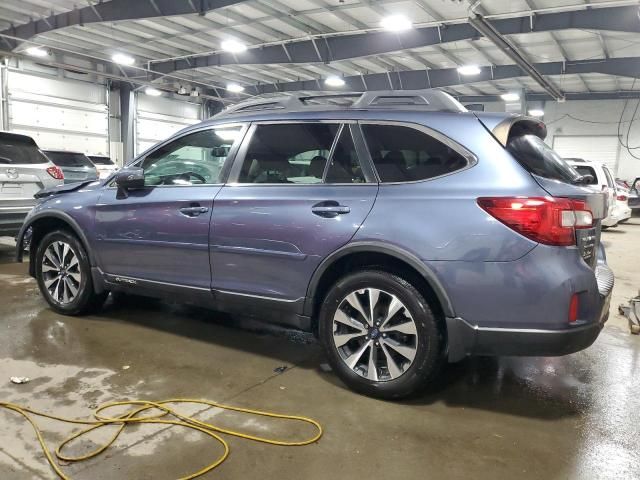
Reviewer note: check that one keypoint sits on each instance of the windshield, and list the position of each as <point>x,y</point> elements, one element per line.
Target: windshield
<point>69,159</point>
<point>100,160</point>
<point>540,159</point>
<point>585,170</point>
<point>19,149</point>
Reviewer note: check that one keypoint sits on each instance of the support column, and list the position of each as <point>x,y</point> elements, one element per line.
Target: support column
<point>127,121</point>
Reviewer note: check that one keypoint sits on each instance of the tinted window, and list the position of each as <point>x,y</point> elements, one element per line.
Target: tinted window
<point>344,166</point>
<point>19,149</point>
<point>193,159</point>
<point>584,170</point>
<point>100,160</point>
<point>607,174</point>
<point>288,153</point>
<point>540,159</point>
<point>69,159</point>
<point>403,154</point>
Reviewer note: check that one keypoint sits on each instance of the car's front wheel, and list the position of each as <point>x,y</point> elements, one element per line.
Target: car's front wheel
<point>63,273</point>
<point>380,334</point>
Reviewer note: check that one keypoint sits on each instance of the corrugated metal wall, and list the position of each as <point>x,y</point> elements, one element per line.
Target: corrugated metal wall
<point>158,118</point>
<point>59,113</point>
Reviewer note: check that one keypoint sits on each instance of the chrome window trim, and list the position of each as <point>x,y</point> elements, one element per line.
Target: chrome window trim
<point>471,158</point>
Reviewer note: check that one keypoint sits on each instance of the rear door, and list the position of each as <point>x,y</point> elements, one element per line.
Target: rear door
<point>297,192</point>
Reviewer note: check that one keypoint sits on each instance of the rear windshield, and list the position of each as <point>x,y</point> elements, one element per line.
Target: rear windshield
<point>100,160</point>
<point>584,170</point>
<point>19,149</point>
<point>540,159</point>
<point>69,159</point>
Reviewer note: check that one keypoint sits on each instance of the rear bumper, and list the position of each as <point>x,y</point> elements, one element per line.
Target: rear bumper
<point>11,219</point>
<point>466,339</point>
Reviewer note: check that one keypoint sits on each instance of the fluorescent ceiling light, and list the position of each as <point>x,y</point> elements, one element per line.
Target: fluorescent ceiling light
<point>123,59</point>
<point>37,52</point>
<point>234,87</point>
<point>396,23</point>
<point>334,81</point>
<point>233,46</point>
<point>535,112</point>
<point>469,70</point>
<point>154,92</point>
<point>510,97</point>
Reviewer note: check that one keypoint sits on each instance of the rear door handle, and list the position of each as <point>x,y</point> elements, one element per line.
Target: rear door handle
<point>329,209</point>
<point>193,211</point>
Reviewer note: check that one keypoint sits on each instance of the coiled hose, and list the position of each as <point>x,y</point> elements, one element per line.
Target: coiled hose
<point>135,416</point>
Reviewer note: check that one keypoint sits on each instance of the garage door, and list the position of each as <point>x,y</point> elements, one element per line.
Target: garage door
<point>59,114</point>
<point>157,118</point>
<point>598,148</point>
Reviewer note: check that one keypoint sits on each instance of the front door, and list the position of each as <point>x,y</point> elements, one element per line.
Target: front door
<point>160,233</point>
<point>297,192</point>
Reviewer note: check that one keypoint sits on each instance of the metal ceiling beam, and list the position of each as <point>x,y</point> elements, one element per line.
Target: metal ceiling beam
<point>510,50</point>
<point>446,77</point>
<point>536,97</point>
<point>342,47</point>
<point>113,11</point>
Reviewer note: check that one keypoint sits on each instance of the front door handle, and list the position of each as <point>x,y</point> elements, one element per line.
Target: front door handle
<point>193,211</point>
<point>329,209</point>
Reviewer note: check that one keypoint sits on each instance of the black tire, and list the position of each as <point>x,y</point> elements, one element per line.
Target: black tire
<point>428,357</point>
<point>86,299</point>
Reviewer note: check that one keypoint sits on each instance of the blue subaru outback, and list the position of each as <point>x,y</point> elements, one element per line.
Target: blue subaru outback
<point>402,228</point>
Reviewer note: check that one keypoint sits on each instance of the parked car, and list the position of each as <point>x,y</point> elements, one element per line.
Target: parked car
<point>76,166</point>
<point>24,170</point>
<point>634,195</point>
<point>623,211</point>
<point>417,232</point>
<point>601,179</point>
<point>104,165</point>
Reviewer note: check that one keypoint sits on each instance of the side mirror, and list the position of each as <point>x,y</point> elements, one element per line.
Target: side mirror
<point>129,178</point>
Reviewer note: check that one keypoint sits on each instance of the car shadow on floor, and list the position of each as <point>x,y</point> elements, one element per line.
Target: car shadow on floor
<point>542,388</point>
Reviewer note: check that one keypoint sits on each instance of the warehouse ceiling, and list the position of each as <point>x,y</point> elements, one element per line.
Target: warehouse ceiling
<point>582,49</point>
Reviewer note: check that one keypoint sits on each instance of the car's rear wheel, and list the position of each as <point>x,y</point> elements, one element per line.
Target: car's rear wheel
<point>380,334</point>
<point>63,273</point>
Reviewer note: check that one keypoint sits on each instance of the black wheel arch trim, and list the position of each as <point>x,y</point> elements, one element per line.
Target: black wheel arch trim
<point>65,217</point>
<point>378,247</point>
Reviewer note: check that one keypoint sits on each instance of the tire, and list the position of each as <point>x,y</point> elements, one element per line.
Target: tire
<point>393,375</point>
<point>67,286</point>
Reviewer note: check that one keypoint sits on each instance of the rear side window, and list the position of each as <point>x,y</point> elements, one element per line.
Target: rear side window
<point>540,159</point>
<point>69,159</point>
<point>607,173</point>
<point>404,154</point>
<point>19,150</point>
<point>584,170</point>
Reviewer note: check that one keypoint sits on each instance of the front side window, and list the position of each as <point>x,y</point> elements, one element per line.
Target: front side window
<point>404,154</point>
<point>194,159</point>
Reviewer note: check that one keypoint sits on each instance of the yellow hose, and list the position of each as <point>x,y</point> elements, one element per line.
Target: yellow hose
<point>134,417</point>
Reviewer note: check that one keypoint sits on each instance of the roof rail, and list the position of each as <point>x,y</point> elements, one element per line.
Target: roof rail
<point>427,100</point>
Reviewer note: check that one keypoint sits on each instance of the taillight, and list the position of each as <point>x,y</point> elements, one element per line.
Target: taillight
<point>622,198</point>
<point>573,308</point>
<point>547,220</point>
<point>56,172</point>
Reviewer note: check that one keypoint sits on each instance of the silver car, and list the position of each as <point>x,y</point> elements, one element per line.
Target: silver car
<point>76,166</point>
<point>24,170</point>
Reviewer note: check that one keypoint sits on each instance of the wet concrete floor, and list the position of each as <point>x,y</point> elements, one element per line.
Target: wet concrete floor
<point>571,417</point>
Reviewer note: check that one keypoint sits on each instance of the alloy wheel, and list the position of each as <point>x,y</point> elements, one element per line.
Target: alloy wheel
<point>61,272</point>
<point>375,334</point>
